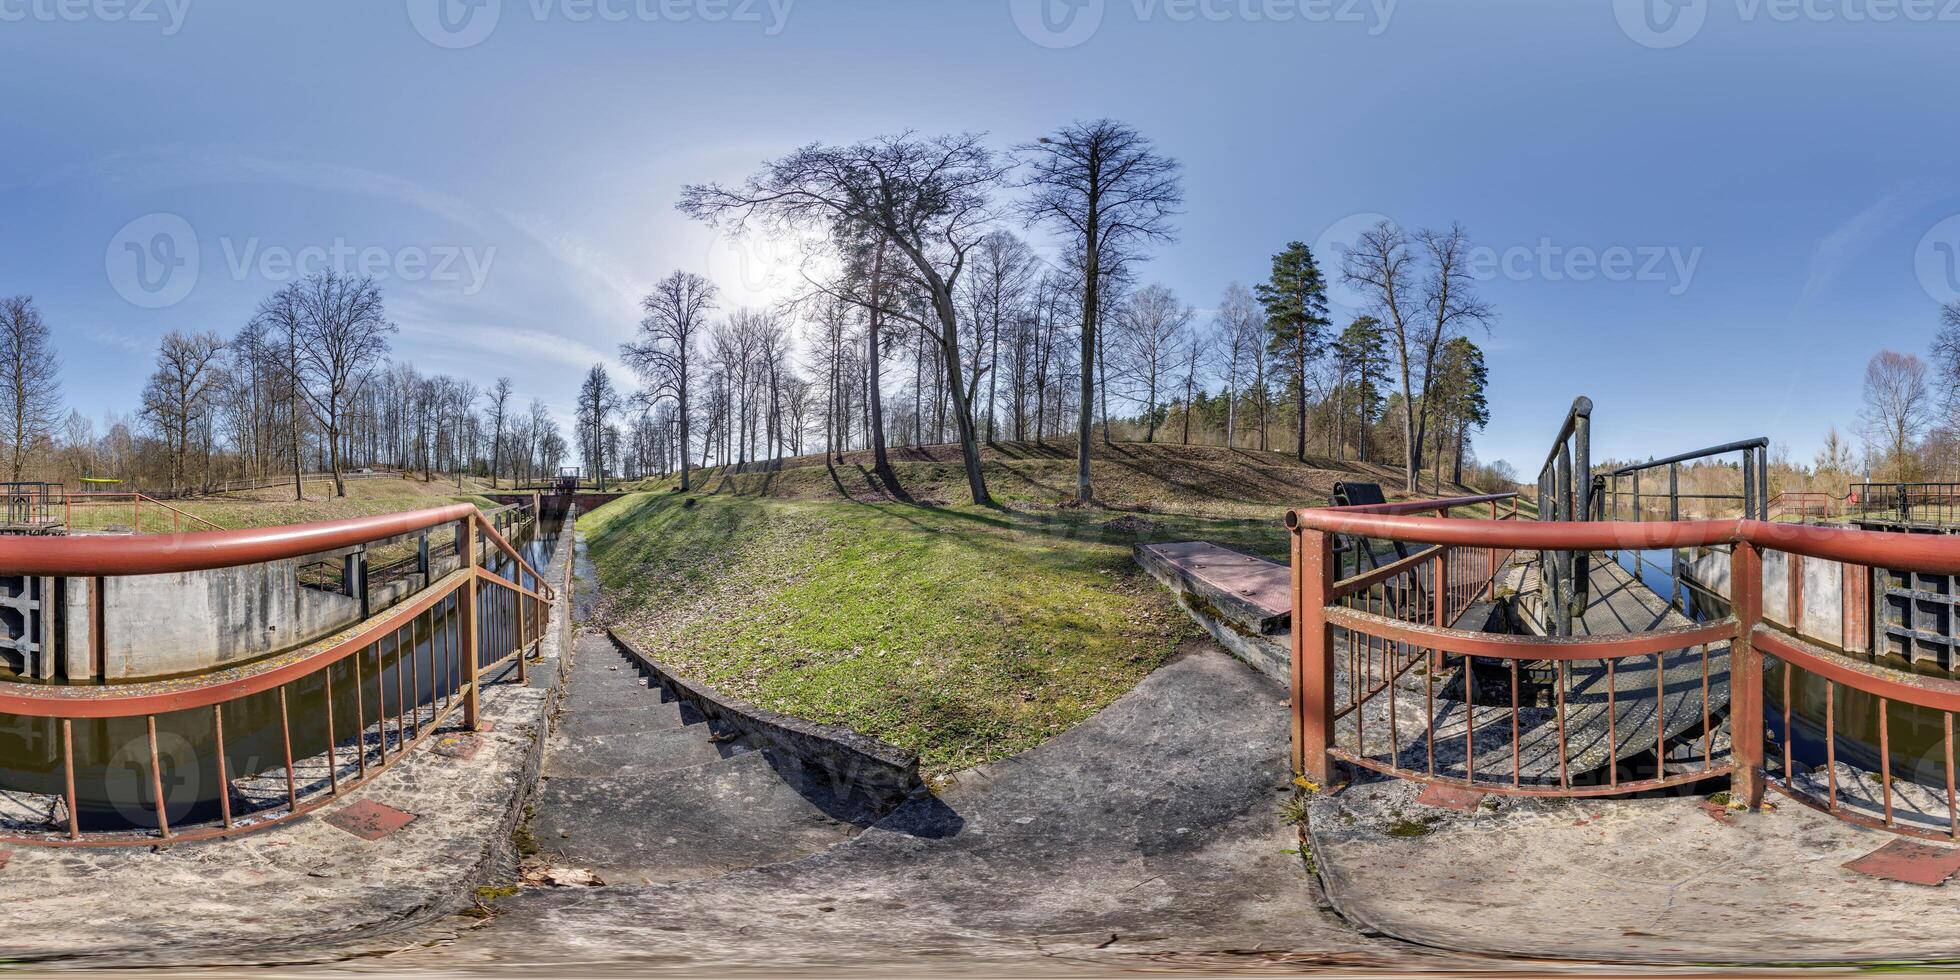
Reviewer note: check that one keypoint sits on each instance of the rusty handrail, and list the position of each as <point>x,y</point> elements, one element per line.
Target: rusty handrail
<point>195,551</point>
<point>435,652</point>
<point>1363,638</point>
<point>1939,554</point>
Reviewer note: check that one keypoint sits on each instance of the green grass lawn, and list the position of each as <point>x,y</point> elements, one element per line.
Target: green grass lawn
<point>274,506</point>
<point>962,633</point>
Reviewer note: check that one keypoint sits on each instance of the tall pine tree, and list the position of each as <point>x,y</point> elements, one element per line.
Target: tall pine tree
<point>1295,299</point>
<point>1363,353</point>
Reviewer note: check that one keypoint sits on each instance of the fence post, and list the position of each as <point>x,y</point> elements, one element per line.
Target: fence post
<point>472,704</point>
<point>1746,677</point>
<point>1313,659</point>
<point>523,627</point>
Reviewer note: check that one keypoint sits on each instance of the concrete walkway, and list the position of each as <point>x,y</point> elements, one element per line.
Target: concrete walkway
<point>1661,881</point>
<point>1150,836</point>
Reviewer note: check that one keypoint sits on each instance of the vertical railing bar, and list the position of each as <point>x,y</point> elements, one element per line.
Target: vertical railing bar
<point>415,672</point>
<point>1564,777</point>
<point>1469,717</point>
<point>1830,739</point>
<point>360,718</point>
<point>401,705</point>
<point>1788,669</point>
<point>68,772</point>
<point>1885,758</point>
<point>286,742</point>
<point>1612,728</point>
<point>1952,810</point>
<point>1517,772</point>
<point>156,777</point>
<point>1429,711</point>
<point>1707,721</point>
<point>380,703</point>
<point>333,765</point>
<point>224,775</point>
<point>1660,716</point>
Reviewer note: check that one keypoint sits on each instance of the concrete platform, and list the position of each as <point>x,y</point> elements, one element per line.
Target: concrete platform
<point>1663,881</point>
<point>1244,602</point>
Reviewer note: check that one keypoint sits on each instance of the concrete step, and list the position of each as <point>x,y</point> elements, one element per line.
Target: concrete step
<point>610,697</point>
<point>639,753</point>
<point>698,822</point>
<point>652,716</point>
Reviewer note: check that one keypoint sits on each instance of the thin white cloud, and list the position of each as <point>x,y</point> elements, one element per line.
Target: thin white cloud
<point>1850,240</point>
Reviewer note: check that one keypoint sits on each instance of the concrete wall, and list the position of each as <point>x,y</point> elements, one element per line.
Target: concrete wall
<point>1824,613</point>
<point>190,622</point>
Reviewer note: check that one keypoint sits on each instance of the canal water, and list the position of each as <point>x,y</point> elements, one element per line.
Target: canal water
<point>418,668</point>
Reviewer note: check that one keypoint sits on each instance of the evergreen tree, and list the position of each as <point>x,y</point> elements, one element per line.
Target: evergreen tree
<point>1295,299</point>
<point>1461,405</point>
<point>1363,354</point>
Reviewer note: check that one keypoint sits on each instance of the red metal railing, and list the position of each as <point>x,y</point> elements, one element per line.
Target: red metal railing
<point>114,510</point>
<point>1378,688</point>
<point>249,746</point>
<point>1801,504</point>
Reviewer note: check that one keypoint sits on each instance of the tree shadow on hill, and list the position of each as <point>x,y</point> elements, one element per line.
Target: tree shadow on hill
<point>882,483</point>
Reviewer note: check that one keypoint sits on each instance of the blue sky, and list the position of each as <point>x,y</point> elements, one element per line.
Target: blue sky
<point>1706,216</point>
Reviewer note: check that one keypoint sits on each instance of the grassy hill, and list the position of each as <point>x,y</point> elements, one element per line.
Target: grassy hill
<point>274,506</point>
<point>1128,476</point>
<point>961,632</point>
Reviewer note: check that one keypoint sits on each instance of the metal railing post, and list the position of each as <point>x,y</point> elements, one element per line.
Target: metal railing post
<point>472,702</point>
<point>1746,678</point>
<point>1313,655</point>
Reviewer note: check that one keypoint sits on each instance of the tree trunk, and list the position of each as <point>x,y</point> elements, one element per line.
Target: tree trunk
<point>1300,394</point>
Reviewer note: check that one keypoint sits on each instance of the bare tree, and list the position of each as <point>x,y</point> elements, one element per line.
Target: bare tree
<point>1244,334</point>
<point>926,196</point>
<point>344,335</point>
<point>30,394</point>
<point>1105,186</point>
<point>1149,344</point>
<point>664,354</point>
<point>1423,307</point>
<point>1897,406</point>
<point>996,294</point>
<point>499,397</point>
<point>597,400</point>
<point>178,397</point>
